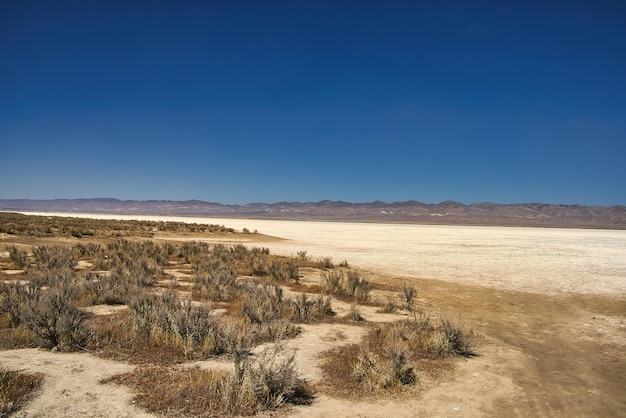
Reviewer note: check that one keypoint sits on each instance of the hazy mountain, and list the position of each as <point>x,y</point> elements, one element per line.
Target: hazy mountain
<point>449,212</point>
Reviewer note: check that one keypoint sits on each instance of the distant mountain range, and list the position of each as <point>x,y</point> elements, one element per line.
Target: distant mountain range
<point>448,213</point>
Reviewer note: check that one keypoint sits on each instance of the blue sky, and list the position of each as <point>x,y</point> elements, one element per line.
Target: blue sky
<point>248,101</point>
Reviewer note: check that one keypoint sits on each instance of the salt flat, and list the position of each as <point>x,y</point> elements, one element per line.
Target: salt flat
<point>545,260</point>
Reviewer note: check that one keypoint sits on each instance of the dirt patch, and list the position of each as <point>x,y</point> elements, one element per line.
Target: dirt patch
<point>71,385</point>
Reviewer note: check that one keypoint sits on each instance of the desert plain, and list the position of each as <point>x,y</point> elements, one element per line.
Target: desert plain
<point>549,304</point>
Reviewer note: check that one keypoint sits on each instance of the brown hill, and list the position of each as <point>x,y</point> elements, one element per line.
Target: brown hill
<point>448,212</point>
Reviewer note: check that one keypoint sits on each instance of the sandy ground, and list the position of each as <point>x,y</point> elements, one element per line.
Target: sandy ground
<point>550,303</point>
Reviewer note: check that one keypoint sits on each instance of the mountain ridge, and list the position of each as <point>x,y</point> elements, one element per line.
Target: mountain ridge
<point>410,211</point>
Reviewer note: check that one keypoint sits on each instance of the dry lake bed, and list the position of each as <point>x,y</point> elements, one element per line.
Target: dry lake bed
<point>550,303</point>
<point>545,260</point>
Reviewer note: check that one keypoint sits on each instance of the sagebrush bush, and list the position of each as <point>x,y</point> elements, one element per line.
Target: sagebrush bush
<point>355,314</point>
<point>283,270</point>
<point>348,284</point>
<point>258,261</point>
<point>18,257</point>
<point>325,263</point>
<point>254,385</point>
<point>163,319</point>
<point>49,314</point>
<point>218,283</point>
<point>49,258</point>
<point>409,293</point>
<point>112,288</point>
<point>310,309</point>
<point>264,309</point>
<point>13,296</point>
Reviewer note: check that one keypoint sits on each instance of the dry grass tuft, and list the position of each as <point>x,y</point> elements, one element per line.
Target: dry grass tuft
<point>264,384</point>
<point>15,389</point>
<point>393,357</point>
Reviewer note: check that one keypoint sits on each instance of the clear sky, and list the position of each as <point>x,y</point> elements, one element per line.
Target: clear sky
<point>248,101</point>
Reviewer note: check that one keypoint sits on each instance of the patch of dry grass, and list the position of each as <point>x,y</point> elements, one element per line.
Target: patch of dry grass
<point>16,388</point>
<point>394,357</point>
<point>252,386</point>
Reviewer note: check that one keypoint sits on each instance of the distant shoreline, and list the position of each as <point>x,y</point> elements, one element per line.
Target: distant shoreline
<point>200,218</point>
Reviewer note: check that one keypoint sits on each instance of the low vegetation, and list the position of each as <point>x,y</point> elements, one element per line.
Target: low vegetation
<point>57,226</point>
<point>396,356</point>
<point>191,301</point>
<point>265,383</point>
<point>15,389</point>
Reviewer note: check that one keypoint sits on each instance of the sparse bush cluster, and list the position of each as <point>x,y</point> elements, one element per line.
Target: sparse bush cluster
<point>347,284</point>
<point>18,257</point>
<point>253,386</point>
<point>164,320</point>
<point>50,314</point>
<point>50,226</point>
<point>227,312</point>
<point>392,356</point>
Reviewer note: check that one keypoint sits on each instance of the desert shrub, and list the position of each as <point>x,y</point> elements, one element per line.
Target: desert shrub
<point>263,308</point>
<point>258,261</point>
<point>17,256</point>
<point>88,249</point>
<point>348,284</point>
<point>103,261</point>
<point>302,256</point>
<point>163,319</point>
<point>15,389</point>
<point>51,316</point>
<point>325,263</point>
<point>191,250</point>
<point>113,288</point>
<point>454,339</point>
<point>390,307</point>
<point>332,282</point>
<point>393,356</point>
<point>314,309</point>
<point>239,251</point>
<point>170,249</point>
<point>253,386</point>
<point>355,314</point>
<point>282,270</point>
<point>49,258</point>
<point>409,293</point>
<point>216,284</point>
<point>13,296</point>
